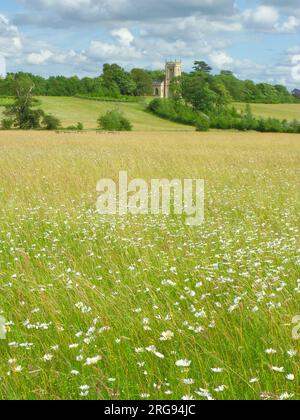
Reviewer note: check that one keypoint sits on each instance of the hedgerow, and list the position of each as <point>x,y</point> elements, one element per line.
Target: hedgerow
<point>224,118</point>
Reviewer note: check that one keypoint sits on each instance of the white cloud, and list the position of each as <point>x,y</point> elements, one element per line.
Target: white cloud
<point>291,25</point>
<point>266,18</point>
<point>129,10</point>
<point>2,66</point>
<point>39,58</point>
<point>107,52</point>
<point>121,49</point>
<point>296,67</point>
<point>145,33</point>
<point>289,7</point>
<point>43,57</point>
<point>124,36</point>
<point>262,17</point>
<point>10,39</point>
<point>221,60</point>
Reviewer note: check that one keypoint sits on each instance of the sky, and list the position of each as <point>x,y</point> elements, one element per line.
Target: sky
<point>256,39</point>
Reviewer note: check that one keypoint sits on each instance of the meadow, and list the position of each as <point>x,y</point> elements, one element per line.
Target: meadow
<point>145,307</point>
<point>72,110</point>
<point>281,111</point>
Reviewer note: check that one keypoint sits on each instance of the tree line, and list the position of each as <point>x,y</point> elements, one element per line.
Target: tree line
<point>203,100</point>
<point>197,99</point>
<point>225,87</point>
<point>115,82</point>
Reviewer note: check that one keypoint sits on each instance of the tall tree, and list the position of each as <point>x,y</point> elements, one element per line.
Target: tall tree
<point>114,75</point>
<point>143,82</point>
<point>197,92</point>
<point>22,113</point>
<point>202,66</point>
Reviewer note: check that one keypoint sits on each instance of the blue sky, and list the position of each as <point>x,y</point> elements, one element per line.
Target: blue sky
<point>255,39</point>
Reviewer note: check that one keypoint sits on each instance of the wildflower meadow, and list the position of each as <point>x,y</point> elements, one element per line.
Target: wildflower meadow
<point>143,306</point>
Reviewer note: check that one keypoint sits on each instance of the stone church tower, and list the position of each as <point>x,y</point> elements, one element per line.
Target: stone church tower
<point>173,70</point>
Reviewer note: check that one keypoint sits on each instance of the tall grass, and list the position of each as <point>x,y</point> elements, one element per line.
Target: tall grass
<point>77,287</point>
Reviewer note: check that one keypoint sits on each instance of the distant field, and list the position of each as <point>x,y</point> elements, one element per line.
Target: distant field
<point>281,111</point>
<point>4,100</point>
<point>106,307</point>
<point>73,110</point>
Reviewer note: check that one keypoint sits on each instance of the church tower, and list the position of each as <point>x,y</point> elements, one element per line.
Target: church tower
<point>161,88</point>
<point>173,70</point>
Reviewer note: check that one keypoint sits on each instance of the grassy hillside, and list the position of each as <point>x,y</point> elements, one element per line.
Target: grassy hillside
<point>281,111</point>
<point>72,110</point>
<point>88,298</point>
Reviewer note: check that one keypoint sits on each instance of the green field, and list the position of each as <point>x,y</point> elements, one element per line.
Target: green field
<point>280,111</point>
<point>145,307</point>
<point>72,110</point>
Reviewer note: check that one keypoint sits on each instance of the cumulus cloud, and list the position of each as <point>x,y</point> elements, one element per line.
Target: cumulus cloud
<point>120,49</point>
<point>124,36</point>
<point>129,10</point>
<point>10,38</point>
<point>291,25</point>
<point>40,57</point>
<point>266,18</point>
<point>221,60</point>
<point>46,57</point>
<point>262,17</point>
<point>2,66</point>
<point>88,33</point>
<point>102,51</point>
<point>296,67</point>
<point>289,7</point>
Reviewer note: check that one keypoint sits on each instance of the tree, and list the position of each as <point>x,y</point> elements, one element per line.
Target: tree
<point>250,91</point>
<point>6,85</point>
<point>233,85</point>
<point>143,82</point>
<point>114,121</point>
<point>115,76</point>
<point>22,113</point>
<point>223,96</point>
<point>196,92</point>
<point>156,75</point>
<point>7,124</point>
<point>284,95</point>
<point>267,93</point>
<point>248,121</point>
<point>176,89</point>
<point>50,122</point>
<point>115,81</point>
<point>202,123</point>
<point>202,66</point>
